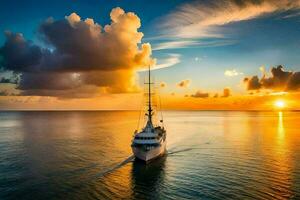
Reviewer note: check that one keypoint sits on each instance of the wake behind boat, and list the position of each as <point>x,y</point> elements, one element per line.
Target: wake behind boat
<point>150,142</point>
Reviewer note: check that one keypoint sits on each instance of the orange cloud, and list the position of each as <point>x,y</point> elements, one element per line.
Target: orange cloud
<point>279,80</point>
<point>226,92</point>
<point>163,84</point>
<point>238,102</point>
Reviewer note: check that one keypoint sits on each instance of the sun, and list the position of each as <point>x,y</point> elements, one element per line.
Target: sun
<point>279,104</point>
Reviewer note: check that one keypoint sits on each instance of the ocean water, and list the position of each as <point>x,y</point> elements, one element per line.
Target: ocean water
<point>211,155</point>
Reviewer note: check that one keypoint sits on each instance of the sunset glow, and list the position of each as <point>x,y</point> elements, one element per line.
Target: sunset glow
<point>280,104</point>
<point>140,99</point>
<point>95,60</point>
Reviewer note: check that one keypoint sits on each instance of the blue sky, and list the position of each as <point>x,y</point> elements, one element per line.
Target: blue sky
<point>25,16</point>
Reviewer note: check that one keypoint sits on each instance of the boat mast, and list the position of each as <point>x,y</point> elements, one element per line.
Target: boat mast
<point>149,96</point>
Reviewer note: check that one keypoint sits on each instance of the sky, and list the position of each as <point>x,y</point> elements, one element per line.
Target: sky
<point>211,55</point>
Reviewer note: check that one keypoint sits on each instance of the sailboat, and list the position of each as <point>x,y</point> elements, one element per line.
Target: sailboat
<point>150,142</point>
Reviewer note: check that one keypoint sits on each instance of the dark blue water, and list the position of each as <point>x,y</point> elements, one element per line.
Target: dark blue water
<point>211,155</point>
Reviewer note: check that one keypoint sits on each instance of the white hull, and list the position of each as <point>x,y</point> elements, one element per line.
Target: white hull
<point>150,154</point>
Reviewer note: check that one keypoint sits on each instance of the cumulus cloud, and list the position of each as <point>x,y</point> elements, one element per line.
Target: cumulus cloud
<point>79,54</point>
<point>280,80</point>
<point>200,19</point>
<point>200,94</point>
<point>232,72</point>
<point>184,83</point>
<point>19,55</point>
<point>253,83</point>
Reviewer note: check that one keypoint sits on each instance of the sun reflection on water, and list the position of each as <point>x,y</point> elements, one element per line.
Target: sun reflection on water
<point>280,125</point>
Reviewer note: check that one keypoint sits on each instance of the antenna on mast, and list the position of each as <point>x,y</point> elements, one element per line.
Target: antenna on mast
<point>149,96</point>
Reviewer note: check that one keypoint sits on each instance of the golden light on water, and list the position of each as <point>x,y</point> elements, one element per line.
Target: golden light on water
<point>280,126</point>
<point>280,104</point>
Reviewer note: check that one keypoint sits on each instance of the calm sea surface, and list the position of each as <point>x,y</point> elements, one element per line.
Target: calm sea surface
<point>211,155</point>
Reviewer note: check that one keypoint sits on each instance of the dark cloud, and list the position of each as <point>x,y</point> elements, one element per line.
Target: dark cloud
<point>279,80</point>
<point>79,54</point>
<point>84,91</point>
<point>294,81</point>
<point>49,81</point>
<point>18,54</point>
<point>200,94</point>
<point>253,83</point>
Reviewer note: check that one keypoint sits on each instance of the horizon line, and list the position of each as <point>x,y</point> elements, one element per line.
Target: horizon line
<point>178,110</point>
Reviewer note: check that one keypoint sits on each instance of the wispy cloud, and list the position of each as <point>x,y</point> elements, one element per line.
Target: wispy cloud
<point>173,59</point>
<point>203,19</point>
<point>175,44</point>
<point>170,60</point>
<point>296,14</point>
<point>179,44</point>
